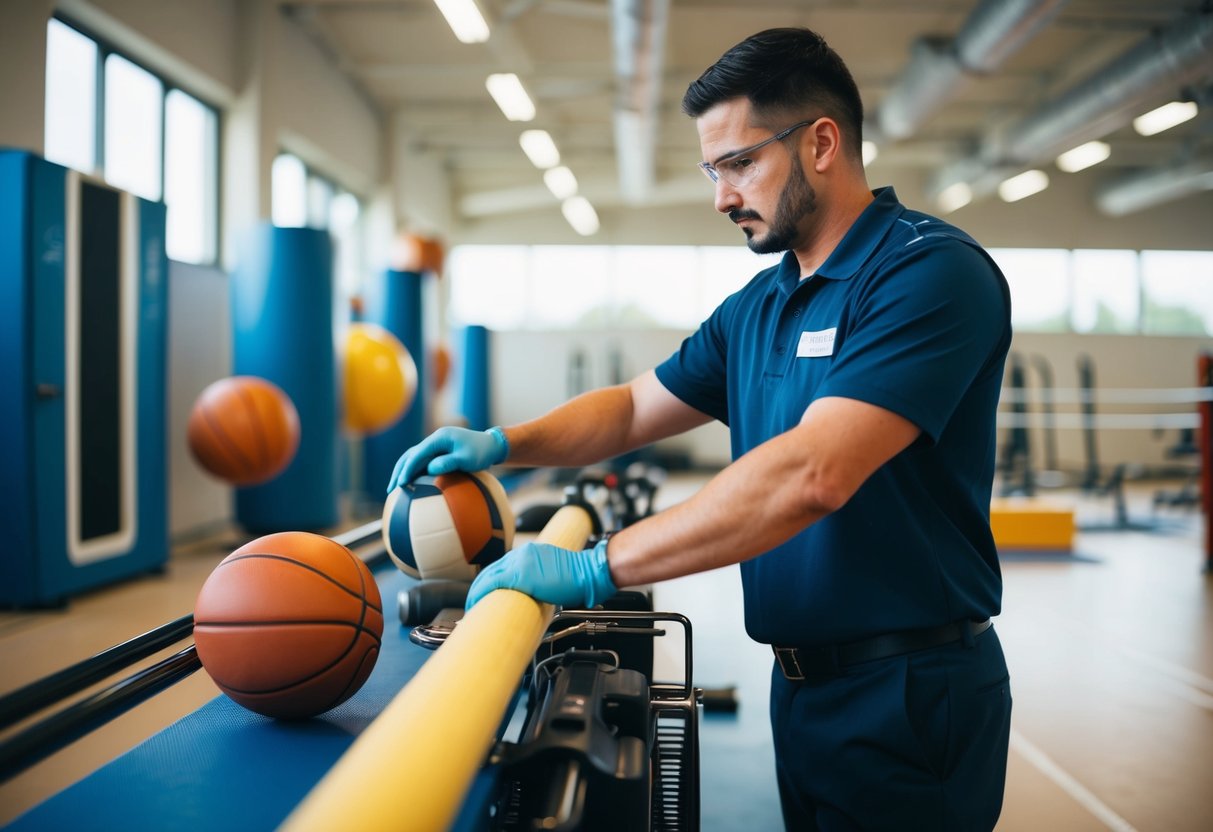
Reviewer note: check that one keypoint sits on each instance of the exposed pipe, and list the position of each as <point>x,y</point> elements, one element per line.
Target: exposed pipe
<point>1152,71</point>
<point>939,67</point>
<point>1154,187</point>
<point>638,29</point>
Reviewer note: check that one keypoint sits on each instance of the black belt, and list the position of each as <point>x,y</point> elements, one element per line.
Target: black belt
<point>799,662</point>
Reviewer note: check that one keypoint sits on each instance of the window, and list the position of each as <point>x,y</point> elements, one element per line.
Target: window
<point>1040,287</point>
<point>190,178</point>
<point>71,98</point>
<point>134,111</point>
<point>288,191</point>
<point>108,116</point>
<point>1107,297</point>
<point>596,287</point>
<point>1177,291</point>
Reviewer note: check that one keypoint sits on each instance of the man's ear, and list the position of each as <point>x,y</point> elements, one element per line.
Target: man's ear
<point>827,144</point>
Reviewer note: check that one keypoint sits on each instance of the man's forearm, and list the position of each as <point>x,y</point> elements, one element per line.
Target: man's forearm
<point>584,430</point>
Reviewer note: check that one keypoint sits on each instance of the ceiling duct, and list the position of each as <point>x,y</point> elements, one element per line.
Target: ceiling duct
<point>638,29</point>
<point>1154,187</point>
<point>1153,71</point>
<point>938,67</point>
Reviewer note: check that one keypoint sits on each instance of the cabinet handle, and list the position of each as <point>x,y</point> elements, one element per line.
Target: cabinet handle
<point>47,391</point>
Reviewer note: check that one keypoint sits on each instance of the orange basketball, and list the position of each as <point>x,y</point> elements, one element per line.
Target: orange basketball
<point>244,430</point>
<point>289,625</point>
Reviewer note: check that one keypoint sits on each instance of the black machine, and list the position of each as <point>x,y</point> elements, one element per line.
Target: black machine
<point>594,743</point>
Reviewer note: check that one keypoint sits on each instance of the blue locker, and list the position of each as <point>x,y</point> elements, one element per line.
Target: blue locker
<point>83,309</point>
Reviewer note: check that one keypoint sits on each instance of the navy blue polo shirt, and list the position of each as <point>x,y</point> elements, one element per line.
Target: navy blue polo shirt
<point>910,314</point>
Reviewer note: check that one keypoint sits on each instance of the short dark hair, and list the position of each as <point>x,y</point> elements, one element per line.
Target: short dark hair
<point>788,71</point>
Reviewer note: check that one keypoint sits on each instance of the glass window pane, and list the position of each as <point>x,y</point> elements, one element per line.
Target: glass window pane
<point>343,224</point>
<point>71,98</point>
<point>134,105</point>
<point>569,287</point>
<point>319,195</point>
<point>1040,287</point>
<point>725,269</point>
<point>1107,295</point>
<point>655,286</point>
<point>488,286</point>
<point>1177,287</point>
<point>288,191</point>
<point>190,178</point>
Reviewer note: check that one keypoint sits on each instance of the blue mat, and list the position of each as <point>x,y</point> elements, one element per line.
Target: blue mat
<point>226,768</point>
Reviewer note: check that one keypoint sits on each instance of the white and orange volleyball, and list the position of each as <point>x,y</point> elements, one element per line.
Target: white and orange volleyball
<point>449,526</point>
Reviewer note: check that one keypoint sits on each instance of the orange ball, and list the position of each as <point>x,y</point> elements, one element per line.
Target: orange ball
<point>289,625</point>
<point>243,430</point>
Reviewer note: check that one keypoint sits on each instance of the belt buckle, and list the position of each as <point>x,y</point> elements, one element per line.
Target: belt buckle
<point>786,656</point>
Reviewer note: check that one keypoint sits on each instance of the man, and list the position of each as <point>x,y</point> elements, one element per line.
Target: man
<point>859,379</point>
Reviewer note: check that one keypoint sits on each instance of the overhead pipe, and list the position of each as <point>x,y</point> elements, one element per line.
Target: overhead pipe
<point>1152,71</point>
<point>939,67</point>
<point>1148,188</point>
<point>638,31</point>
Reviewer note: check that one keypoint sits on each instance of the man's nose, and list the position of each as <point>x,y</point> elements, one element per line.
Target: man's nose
<point>727,197</point>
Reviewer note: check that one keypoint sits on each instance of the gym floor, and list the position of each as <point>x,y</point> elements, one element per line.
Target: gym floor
<point>1111,655</point>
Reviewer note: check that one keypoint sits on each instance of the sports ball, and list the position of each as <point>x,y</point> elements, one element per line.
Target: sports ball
<point>448,526</point>
<point>289,625</point>
<point>380,379</point>
<point>244,430</point>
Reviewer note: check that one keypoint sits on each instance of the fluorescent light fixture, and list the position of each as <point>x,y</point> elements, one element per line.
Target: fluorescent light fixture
<point>465,20</point>
<point>580,214</point>
<point>1024,185</point>
<point>1165,117</point>
<point>539,148</point>
<point>561,182</point>
<point>1083,156</point>
<point>507,91</point>
<point>870,152</point>
<point>955,196</point>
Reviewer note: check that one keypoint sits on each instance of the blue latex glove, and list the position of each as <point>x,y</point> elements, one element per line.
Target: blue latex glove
<point>548,573</point>
<point>450,449</point>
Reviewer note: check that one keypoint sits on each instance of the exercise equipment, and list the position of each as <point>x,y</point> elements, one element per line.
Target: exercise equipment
<point>282,326</point>
<point>448,716</point>
<point>449,526</point>
<point>1031,524</point>
<point>394,301</point>
<point>243,430</point>
<point>289,625</point>
<point>83,311</point>
<point>380,379</point>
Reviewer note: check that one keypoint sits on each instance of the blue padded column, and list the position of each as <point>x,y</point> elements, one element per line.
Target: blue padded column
<point>476,391</point>
<point>393,301</point>
<point>282,326</point>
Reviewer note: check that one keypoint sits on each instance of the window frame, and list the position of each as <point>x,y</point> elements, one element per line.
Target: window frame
<point>105,48</point>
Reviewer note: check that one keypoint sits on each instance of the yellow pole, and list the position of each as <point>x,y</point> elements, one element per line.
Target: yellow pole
<point>443,722</point>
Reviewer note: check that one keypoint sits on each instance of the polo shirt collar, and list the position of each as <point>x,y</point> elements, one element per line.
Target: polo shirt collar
<point>856,246</point>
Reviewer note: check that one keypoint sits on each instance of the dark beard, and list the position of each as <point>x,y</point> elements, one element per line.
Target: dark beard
<point>796,201</point>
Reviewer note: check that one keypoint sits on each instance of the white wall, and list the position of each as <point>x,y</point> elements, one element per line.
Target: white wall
<point>530,375</point>
<point>199,352</point>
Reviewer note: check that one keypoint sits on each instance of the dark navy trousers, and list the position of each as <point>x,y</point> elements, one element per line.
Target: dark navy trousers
<point>914,742</point>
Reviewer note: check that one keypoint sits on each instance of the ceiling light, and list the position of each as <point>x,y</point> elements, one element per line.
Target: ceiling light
<point>465,20</point>
<point>561,182</point>
<point>580,214</point>
<point>1165,117</point>
<point>1083,156</point>
<point>539,148</point>
<point>1027,183</point>
<point>869,153</point>
<point>954,196</point>
<point>507,91</point>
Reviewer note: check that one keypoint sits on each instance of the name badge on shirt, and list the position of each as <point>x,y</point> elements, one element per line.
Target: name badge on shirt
<point>816,344</point>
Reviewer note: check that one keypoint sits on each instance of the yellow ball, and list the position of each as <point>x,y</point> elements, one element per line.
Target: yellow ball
<point>380,379</point>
